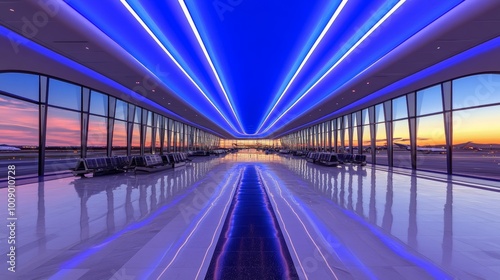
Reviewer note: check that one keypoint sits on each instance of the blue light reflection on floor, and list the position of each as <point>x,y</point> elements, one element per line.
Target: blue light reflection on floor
<point>251,242</point>
<point>83,256</point>
<point>345,254</point>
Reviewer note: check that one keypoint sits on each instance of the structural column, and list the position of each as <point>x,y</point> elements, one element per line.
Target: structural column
<point>448,125</point>
<point>388,130</point>
<point>42,131</point>
<point>412,124</point>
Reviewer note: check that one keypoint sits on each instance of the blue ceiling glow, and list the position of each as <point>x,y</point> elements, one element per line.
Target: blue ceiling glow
<point>209,59</point>
<point>332,43</point>
<point>304,57</point>
<point>249,45</point>
<point>254,66</point>
<point>346,50</point>
<point>471,53</point>
<point>131,36</point>
<point>158,41</point>
<point>173,23</point>
<point>6,33</point>
<point>401,23</point>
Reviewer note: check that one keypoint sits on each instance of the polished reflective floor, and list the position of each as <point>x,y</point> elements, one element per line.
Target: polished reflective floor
<point>348,222</point>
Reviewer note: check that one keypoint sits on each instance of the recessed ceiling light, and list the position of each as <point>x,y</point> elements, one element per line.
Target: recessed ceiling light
<point>12,10</point>
<point>438,48</point>
<point>137,83</point>
<point>153,90</point>
<point>168,103</point>
<point>352,91</point>
<point>87,48</point>
<point>367,83</point>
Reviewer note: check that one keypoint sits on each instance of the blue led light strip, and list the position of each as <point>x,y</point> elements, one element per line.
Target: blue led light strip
<point>427,72</point>
<point>39,49</point>
<point>160,44</point>
<point>361,40</point>
<point>209,59</point>
<point>306,58</point>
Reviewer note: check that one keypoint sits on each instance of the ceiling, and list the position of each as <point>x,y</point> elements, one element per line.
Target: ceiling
<point>253,69</point>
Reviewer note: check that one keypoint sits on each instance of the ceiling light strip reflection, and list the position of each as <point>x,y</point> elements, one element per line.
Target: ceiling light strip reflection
<point>159,43</point>
<point>306,58</point>
<point>382,20</point>
<point>209,59</point>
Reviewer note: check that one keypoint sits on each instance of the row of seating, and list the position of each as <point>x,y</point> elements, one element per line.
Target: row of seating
<point>350,158</point>
<point>334,159</point>
<point>101,166</point>
<point>113,165</point>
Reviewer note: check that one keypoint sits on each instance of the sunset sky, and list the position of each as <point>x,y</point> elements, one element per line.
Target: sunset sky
<point>19,119</point>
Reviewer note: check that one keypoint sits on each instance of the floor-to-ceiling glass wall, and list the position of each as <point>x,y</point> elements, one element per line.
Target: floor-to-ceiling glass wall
<point>63,135</point>
<point>476,125</point>
<point>19,124</point>
<point>59,122</point>
<point>401,133</point>
<point>97,130</point>
<point>463,136</point>
<point>430,129</point>
<point>380,136</point>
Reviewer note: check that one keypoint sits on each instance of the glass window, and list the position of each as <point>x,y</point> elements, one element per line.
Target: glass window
<point>354,120</point>
<point>150,118</point>
<point>138,114</point>
<point>346,122</point>
<point>379,113</point>
<point>98,103</point>
<point>399,108</point>
<point>476,90</point>
<point>64,94</point>
<point>476,142</point>
<point>381,144</point>
<point>401,138</point>
<point>355,145</point>
<point>429,100</point>
<point>97,137</point>
<point>63,128</point>
<point>365,117</point>
<point>136,139</point>
<point>19,130</point>
<point>147,144</point>
<point>367,143</point>
<point>119,138</point>
<point>346,139</point>
<point>431,143</point>
<point>63,140</point>
<point>157,141</point>
<point>21,84</point>
<point>121,110</point>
